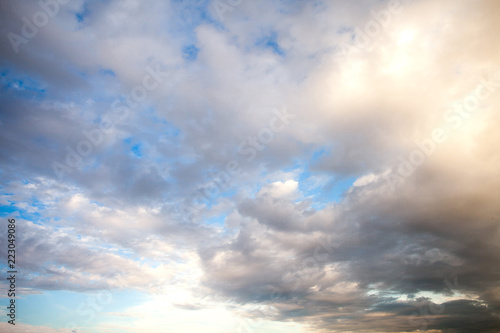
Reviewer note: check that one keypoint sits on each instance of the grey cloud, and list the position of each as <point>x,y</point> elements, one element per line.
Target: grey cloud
<point>385,245</point>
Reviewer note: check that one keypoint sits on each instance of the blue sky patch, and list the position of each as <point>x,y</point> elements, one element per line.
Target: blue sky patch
<point>190,52</point>
<point>270,41</point>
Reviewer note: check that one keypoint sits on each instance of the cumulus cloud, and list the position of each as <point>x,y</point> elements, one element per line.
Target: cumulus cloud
<point>142,151</point>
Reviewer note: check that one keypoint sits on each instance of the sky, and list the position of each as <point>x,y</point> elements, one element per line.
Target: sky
<point>251,166</point>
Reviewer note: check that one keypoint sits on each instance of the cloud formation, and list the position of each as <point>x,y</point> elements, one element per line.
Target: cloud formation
<point>318,166</point>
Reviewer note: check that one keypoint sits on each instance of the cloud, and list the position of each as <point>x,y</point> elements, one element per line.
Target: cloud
<point>24,328</point>
<point>311,229</point>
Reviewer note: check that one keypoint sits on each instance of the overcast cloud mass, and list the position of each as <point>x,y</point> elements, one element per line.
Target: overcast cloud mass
<point>251,166</point>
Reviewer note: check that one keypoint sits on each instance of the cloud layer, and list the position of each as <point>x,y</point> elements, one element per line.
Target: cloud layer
<point>319,166</point>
